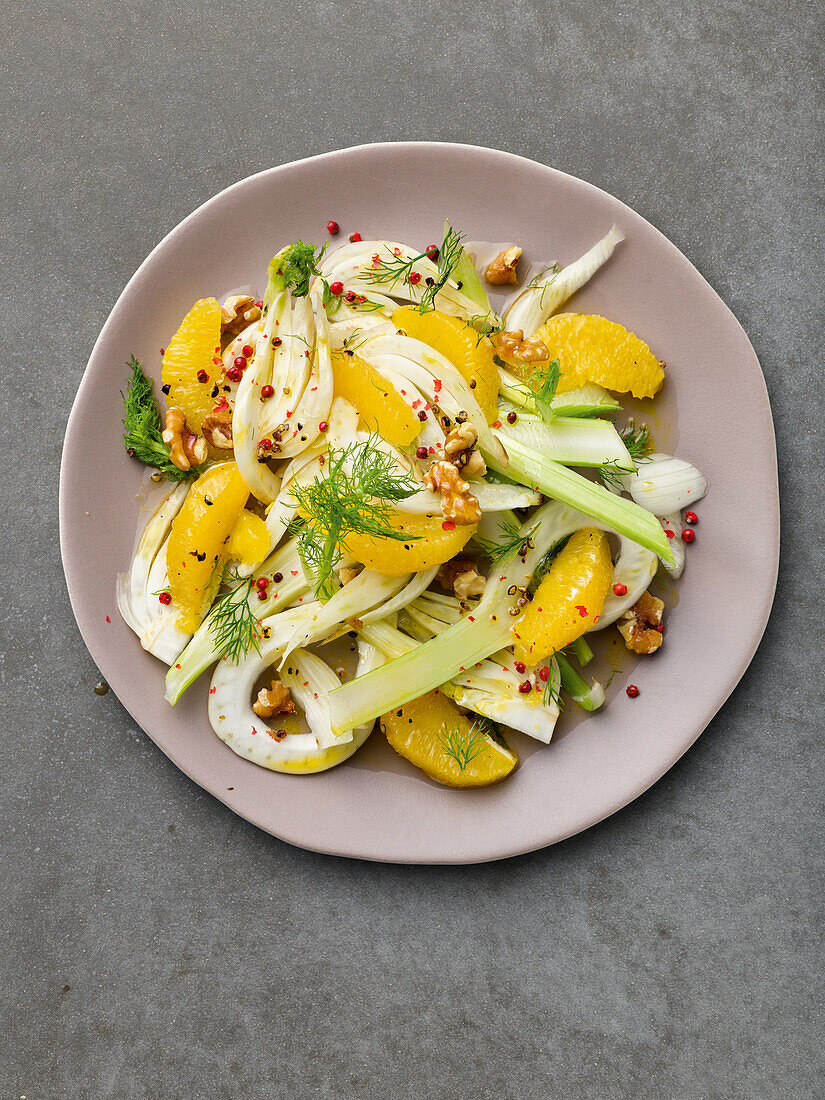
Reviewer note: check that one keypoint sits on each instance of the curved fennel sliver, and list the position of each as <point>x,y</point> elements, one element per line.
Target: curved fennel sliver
<point>423,366</point>
<point>154,623</point>
<point>352,265</point>
<point>246,435</point>
<point>366,591</point>
<point>544,296</point>
<point>664,484</point>
<point>234,721</point>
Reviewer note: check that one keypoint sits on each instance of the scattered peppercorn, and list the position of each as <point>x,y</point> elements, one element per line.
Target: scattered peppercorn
<point>512,417</point>
<point>336,288</point>
<point>323,426</point>
<point>619,589</point>
<point>165,598</point>
<point>421,452</point>
<point>415,277</point>
<point>353,237</point>
<point>525,687</point>
<point>267,392</point>
<point>247,351</point>
<point>278,578</point>
<point>544,674</point>
<point>240,362</point>
<point>632,690</point>
<point>688,535</point>
<point>203,376</point>
<point>422,415</point>
<point>520,667</point>
<point>432,251</point>
<point>332,227</point>
<point>691,518</point>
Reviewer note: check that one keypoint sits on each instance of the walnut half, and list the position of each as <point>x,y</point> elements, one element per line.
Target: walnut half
<point>238,311</point>
<point>457,502</point>
<point>459,448</point>
<point>217,427</point>
<point>461,577</point>
<point>273,700</point>
<point>514,345</point>
<point>638,625</point>
<point>502,270</point>
<point>186,449</point>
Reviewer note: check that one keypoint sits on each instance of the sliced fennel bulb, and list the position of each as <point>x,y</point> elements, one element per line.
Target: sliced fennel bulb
<point>310,679</point>
<point>555,480</point>
<point>587,400</point>
<point>154,623</point>
<point>536,303</point>
<point>664,484</point>
<point>573,441</point>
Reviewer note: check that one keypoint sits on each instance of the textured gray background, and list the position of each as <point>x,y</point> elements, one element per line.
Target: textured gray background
<point>153,945</point>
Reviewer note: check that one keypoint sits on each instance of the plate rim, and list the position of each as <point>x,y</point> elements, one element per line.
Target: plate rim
<point>502,851</point>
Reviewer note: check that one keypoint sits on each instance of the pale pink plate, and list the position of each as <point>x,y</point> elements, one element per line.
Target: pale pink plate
<point>714,410</point>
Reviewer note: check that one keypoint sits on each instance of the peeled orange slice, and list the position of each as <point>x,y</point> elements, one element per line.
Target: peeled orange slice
<point>592,349</point>
<point>434,545</point>
<point>197,543</point>
<point>249,539</point>
<point>192,350</point>
<point>569,599</point>
<point>446,744</point>
<point>381,408</point>
<point>469,351</point>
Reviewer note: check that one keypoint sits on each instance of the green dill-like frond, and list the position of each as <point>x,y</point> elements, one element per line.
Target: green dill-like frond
<point>449,257</point>
<point>464,747</point>
<point>512,541</point>
<point>639,445</point>
<point>543,384</point>
<point>637,440</point>
<point>143,427</point>
<point>355,496</point>
<point>234,626</point>
<point>544,281</point>
<point>293,268</point>
<point>365,305</point>
<point>552,687</point>
<point>389,269</point>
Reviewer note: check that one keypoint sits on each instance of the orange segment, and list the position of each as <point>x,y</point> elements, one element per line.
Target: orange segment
<point>433,546</point>
<point>381,407</point>
<point>569,599</point>
<point>193,347</point>
<point>197,543</point>
<point>249,540</point>
<point>469,351</point>
<point>592,349</point>
<point>446,744</point>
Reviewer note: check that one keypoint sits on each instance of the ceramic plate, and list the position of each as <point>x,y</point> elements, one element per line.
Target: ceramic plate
<point>713,410</point>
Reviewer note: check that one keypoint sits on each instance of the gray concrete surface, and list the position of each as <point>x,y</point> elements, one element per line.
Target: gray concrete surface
<point>153,945</point>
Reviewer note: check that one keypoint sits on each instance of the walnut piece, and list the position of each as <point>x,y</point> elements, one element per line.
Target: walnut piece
<point>457,502</point>
<point>348,573</point>
<point>461,576</point>
<point>186,449</point>
<point>502,270</point>
<point>459,448</point>
<point>513,345</point>
<point>638,625</point>
<point>273,700</point>
<point>217,427</point>
<point>238,311</point>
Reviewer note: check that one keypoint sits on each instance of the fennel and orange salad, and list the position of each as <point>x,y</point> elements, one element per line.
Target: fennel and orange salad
<point>388,504</point>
